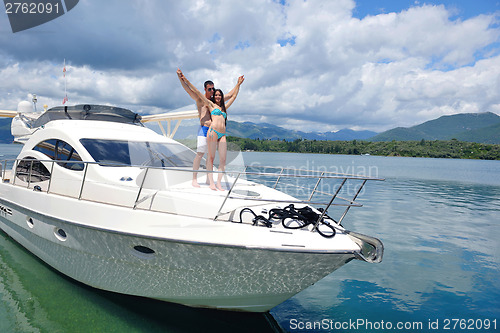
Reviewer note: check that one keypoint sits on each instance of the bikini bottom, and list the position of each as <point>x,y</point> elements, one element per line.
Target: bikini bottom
<point>219,134</point>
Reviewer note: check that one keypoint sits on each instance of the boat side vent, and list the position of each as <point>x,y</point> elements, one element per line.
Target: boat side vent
<point>126,179</point>
<point>143,252</point>
<point>143,249</point>
<point>30,222</point>
<point>60,234</point>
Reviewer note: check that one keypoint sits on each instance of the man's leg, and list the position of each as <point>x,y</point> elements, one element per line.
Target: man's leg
<point>196,166</point>
<point>200,151</point>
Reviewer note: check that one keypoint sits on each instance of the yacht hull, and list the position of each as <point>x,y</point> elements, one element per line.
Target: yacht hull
<point>111,203</point>
<point>194,274</point>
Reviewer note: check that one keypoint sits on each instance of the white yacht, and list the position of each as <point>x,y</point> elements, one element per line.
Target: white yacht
<point>108,202</point>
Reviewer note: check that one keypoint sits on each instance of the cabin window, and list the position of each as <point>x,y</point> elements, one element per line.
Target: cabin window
<point>124,153</point>
<point>48,148</point>
<point>31,170</point>
<point>60,150</point>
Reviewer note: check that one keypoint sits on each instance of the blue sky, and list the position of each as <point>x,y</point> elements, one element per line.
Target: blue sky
<point>310,65</point>
<point>462,9</point>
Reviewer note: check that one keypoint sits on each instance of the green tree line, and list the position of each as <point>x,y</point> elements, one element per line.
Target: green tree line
<point>423,148</point>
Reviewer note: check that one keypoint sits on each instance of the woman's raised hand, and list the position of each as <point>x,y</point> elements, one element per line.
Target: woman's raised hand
<point>180,74</point>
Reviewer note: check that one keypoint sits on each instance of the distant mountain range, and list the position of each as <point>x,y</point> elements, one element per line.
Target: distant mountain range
<point>265,131</point>
<point>5,136</point>
<point>471,127</point>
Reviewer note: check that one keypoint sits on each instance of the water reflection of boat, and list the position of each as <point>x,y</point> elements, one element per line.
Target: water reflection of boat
<point>110,203</point>
<point>33,296</point>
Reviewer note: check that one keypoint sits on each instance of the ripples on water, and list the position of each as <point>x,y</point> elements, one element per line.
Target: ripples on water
<point>441,257</point>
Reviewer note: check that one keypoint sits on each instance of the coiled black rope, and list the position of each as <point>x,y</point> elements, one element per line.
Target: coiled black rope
<point>257,218</point>
<point>301,218</point>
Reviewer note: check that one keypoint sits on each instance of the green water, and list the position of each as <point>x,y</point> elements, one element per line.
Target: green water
<point>35,298</point>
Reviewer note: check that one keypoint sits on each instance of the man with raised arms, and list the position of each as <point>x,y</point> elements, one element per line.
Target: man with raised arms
<point>205,121</point>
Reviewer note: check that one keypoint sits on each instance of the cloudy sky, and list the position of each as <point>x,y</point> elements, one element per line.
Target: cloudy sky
<point>309,65</point>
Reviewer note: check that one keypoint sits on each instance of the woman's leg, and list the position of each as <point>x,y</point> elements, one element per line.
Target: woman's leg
<point>212,147</point>
<point>222,161</point>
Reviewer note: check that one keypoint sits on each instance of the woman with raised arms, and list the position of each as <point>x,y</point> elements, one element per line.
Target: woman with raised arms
<point>216,136</point>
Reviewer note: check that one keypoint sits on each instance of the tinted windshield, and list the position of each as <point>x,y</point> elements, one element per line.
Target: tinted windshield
<point>119,153</point>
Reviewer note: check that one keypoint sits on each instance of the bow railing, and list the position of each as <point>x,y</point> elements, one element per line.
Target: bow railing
<point>141,184</point>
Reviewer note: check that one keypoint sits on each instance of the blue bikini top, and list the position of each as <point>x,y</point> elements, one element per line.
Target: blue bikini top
<point>218,112</point>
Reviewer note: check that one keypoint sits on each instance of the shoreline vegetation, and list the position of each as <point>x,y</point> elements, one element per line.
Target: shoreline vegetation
<point>424,148</point>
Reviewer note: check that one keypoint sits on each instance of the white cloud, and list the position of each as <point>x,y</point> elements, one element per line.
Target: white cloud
<point>335,71</point>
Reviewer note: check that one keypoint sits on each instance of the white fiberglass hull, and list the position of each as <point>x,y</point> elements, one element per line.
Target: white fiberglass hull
<point>194,274</point>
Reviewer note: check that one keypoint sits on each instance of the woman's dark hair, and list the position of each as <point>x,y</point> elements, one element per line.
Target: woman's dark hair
<point>223,104</point>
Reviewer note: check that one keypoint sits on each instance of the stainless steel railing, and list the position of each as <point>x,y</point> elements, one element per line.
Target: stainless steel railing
<point>26,172</point>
